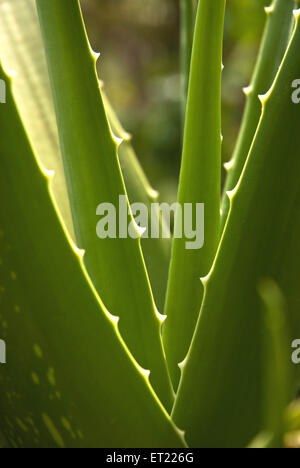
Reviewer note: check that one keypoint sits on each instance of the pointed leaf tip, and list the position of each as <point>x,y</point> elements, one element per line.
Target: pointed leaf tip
<point>248,90</point>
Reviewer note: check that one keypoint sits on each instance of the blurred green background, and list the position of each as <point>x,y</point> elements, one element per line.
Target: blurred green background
<point>139,64</point>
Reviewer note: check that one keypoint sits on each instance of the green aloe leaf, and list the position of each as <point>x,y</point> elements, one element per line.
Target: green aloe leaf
<point>22,51</point>
<point>292,436</point>
<point>293,416</point>
<point>157,251</point>
<point>273,47</point>
<point>262,441</point>
<point>199,183</point>
<point>187,23</point>
<point>276,363</point>
<point>93,177</point>
<point>67,367</point>
<point>218,400</point>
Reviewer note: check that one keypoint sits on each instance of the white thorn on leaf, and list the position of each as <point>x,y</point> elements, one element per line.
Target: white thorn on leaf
<point>181,433</point>
<point>114,318</point>
<point>11,73</point>
<point>79,252</point>
<point>264,97</point>
<point>139,229</point>
<point>117,140</point>
<point>296,13</point>
<point>204,280</point>
<point>228,165</point>
<point>182,364</point>
<point>49,174</point>
<point>160,316</point>
<point>146,373</point>
<point>269,9</point>
<point>96,55</point>
<point>231,193</point>
<point>127,136</point>
<point>248,90</point>
<point>154,194</point>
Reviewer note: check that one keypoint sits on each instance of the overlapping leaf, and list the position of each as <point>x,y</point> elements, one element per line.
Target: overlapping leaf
<point>22,51</point>
<point>67,368</point>
<point>220,394</point>
<point>199,183</point>
<point>93,175</point>
<point>276,36</point>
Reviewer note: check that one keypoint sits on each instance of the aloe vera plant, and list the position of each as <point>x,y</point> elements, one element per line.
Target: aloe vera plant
<point>105,346</point>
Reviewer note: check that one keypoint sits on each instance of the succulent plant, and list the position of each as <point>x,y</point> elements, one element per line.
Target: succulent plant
<point>127,342</point>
